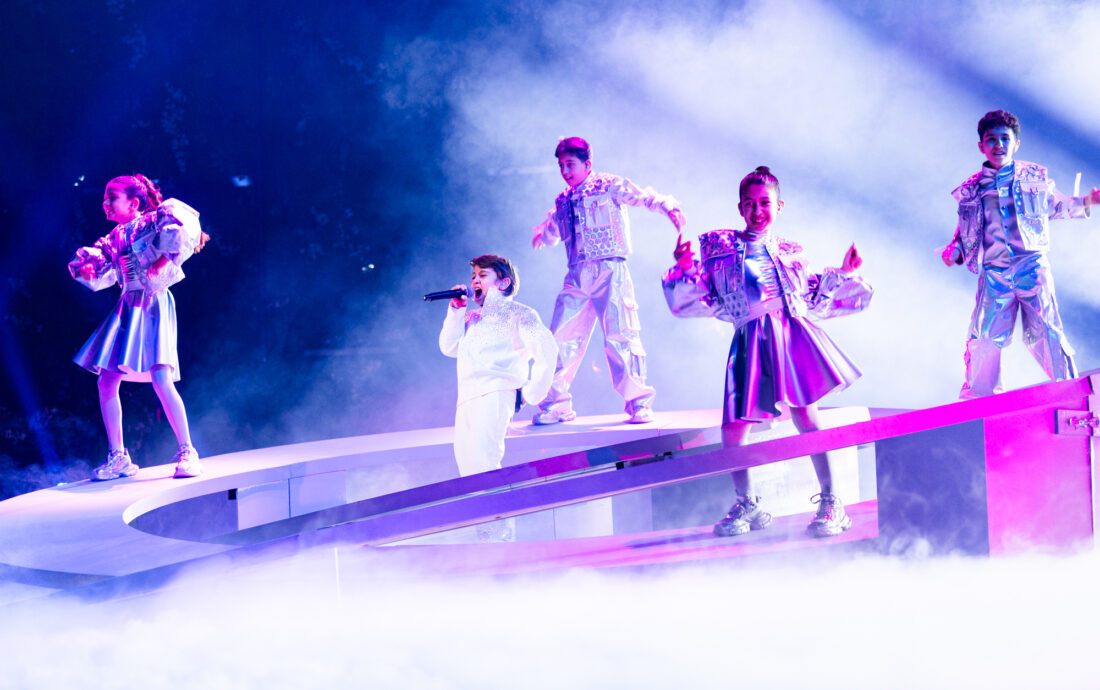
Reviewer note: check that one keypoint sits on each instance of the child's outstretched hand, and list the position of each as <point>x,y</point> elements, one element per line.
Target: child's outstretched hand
<point>536,238</point>
<point>460,301</point>
<point>852,260</point>
<point>683,254</point>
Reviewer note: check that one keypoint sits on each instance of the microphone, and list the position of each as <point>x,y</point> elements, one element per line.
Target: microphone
<point>449,294</point>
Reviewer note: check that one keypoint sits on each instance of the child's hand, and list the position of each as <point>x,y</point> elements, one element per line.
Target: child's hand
<point>460,301</point>
<point>536,239</point>
<point>157,267</point>
<point>677,218</point>
<point>852,260</point>
<point>951,254</point>
<point>685,258</point>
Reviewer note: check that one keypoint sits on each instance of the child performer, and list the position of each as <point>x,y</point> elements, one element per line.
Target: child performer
<point>137,340</point>
<point>590,219</point>
<point>1004,230</point>
<point>759,283</point>
<point>505,356</point>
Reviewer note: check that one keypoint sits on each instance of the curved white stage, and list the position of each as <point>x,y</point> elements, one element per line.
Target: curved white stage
<point>595,492</point>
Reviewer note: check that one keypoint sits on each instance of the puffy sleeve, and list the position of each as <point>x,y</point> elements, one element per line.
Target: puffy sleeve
<point>1062,206</point>
<point>98,256</point>
<point>688,293</point>
<point>178,230</point>
<point>454,325</point>
<point>540,345</point>
<point>836,293</point>
<point>623,191</point>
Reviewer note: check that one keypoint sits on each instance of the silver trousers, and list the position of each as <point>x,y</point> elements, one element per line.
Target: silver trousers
<point>599,290</point>
<point>1026,287</point>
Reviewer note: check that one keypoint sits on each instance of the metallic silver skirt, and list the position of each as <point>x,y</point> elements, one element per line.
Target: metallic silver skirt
<point>139,334</point>
<point>782,358</point>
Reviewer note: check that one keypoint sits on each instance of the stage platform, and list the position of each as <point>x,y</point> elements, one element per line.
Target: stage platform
<point>593,493</point>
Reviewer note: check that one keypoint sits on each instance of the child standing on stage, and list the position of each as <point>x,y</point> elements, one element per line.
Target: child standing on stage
<point>1003,235</point>
<point>505,356</point>
<point>759,283</point>
<point>137,340</point>
<point>590,219</point>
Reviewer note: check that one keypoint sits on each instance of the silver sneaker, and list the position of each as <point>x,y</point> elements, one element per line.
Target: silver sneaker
<point>544,417</point>
<point>497,531</point>
<point>187,462</point>
<point>831,517</point>
<point>746,514</point>
<point>642,415</point>
<point>118,464</point>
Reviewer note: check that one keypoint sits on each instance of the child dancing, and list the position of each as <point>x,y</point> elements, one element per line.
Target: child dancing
<point>759,283</point>
<point>1003,235</point>
<point>590,218</point>
<point>137,340</point>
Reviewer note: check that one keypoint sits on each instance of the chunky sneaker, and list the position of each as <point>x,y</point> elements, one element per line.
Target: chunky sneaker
<point>746,514</point>
<point>544,417</point>
<point>118,464</point>
<point>187,462</point>
<point>497,531</point>
<point>642,415</point>
<point>831,517</point>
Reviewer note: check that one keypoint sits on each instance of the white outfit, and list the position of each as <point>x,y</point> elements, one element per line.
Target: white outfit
<point>501,347</point>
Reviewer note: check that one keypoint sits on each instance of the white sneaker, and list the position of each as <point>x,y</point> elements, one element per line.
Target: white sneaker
<point>118,464</point>
<point>642,415</point>
<point>187,462</point>
<point>545,417</point>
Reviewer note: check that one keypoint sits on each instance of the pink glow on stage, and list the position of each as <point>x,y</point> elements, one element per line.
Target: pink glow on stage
<point>1039,488</point>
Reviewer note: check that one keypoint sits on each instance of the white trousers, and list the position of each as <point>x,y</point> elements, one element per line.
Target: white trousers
<point>480,426</point>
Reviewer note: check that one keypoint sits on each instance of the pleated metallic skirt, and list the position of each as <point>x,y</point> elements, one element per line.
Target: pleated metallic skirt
<point>779,358</point>
<point>136,336</point>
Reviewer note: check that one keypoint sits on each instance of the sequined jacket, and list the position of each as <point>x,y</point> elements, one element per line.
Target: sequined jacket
<point>1033,192</point>
<point>600,227</point>
<point>715,284</point>
<point>125,254</point>
<point>496,345</point>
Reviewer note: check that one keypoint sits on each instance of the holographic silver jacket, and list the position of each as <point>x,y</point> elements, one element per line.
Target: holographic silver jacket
<point>125,254</point>
<point>600,227</point>
<point>1033,193</point>
<point>715,284</point>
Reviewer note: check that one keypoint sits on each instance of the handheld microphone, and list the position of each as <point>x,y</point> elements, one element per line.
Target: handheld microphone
<point>449,294</point>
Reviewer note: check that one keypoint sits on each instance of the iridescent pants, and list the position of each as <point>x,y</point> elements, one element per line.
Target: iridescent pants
<point>1026,286</point>
<point>602,290</point>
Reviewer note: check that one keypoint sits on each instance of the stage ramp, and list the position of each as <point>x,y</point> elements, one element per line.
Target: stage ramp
<point>994,476</point>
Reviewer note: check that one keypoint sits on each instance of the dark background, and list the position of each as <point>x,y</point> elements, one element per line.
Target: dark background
<point>194,96</point>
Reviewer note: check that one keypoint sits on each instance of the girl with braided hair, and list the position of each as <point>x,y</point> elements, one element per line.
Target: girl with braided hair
<point>137,341</point>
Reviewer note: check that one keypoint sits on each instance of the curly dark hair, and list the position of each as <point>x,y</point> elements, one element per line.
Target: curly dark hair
<point>998,118</point>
